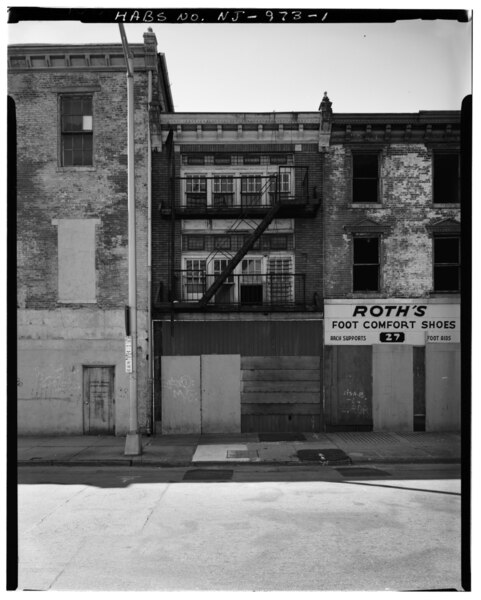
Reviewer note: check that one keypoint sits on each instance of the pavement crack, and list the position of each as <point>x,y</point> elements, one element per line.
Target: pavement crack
<point>154,507</point>
<point>65,502</point>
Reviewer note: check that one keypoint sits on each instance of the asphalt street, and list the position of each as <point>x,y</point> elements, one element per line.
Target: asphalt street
<point>385,527</point>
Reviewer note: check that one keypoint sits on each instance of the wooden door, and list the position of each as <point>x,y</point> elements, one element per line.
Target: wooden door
<point>98,400</point>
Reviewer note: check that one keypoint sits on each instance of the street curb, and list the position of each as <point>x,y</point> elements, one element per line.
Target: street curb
<point>224,464</point>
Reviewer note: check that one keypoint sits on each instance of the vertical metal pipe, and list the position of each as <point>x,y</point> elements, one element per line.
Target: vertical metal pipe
<point>132,245</point>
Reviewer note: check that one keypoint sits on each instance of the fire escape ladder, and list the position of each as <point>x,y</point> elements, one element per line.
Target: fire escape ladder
<point>242,218</point>
<point>251,240</point>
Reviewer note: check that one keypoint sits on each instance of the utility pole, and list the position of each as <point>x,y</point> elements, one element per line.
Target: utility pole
<point>133,443</point>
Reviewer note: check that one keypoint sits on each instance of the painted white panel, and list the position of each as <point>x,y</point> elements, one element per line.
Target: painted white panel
<point>381,321</point>
<point>443,387</point>
<point>180,394</point>
<point>221,404</point>
<point>392,405</point>
<point>76,260</point>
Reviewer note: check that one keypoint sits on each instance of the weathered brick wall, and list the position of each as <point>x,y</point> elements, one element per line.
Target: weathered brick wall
<point>308,231</point>
<point>406,252</point>
<point>46,191</point>
<point>162,228</point>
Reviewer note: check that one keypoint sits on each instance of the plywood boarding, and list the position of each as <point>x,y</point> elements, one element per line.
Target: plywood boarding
<point>392,387</point>
<point>281,393</point>
<point>348,387</point>
<point>443,387</point>
<point>220,398</point>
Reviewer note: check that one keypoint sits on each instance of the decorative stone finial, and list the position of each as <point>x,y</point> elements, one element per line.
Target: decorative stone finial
<point>325,107</point>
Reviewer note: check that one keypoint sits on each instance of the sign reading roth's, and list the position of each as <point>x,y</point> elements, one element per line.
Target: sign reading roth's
<point>357,322</point>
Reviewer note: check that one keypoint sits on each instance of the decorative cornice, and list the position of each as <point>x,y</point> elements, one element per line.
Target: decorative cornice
<point>92,57</point>
<point>367,226</point>
<point>445,226</point>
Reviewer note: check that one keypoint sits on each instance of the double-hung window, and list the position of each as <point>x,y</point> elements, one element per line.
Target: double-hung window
<point>195,191</point>
<point>223,190</point>
<point>251,286</point>
<point>366,264</point>
<point>365,177</point>
<point>251,190</point>
<point>76,117</point>
<point>194,278</point>
<point>280,184</point>
<point>447,263</point>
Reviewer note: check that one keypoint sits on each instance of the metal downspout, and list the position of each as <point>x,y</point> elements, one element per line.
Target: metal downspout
<point>149,258</point>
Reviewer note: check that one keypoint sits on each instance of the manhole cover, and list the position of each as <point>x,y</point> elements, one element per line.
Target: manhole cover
<point>355,472</point>
<point>282,437</point>
<point>324,455</point>
<point>208,475</point>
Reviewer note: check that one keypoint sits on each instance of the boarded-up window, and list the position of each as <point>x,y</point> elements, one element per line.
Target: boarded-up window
<point>76,260</point>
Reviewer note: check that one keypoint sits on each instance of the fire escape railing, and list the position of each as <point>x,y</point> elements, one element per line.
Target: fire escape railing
<point>246,289</point>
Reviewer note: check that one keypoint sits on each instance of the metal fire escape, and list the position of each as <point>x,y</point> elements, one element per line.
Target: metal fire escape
<point>239,255</point>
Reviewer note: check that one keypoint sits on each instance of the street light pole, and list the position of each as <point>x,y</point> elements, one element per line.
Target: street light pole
<point>133,443</point>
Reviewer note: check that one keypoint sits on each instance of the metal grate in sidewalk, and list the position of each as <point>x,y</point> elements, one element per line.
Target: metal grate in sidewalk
<point>428,438</point>
<point>361,437</point>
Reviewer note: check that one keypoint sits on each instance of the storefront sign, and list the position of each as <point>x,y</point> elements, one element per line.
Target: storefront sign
<point>361,322</point>
<point>128,354</point>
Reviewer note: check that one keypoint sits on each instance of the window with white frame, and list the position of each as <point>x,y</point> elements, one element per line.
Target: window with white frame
<point>280,280</point>
<point>226,294</point>
<point>195,191</point>
<point>251,190</point>
<point>193,278</point>
<point>223,190</point>
<point>280,184</point>
<point>76,131</point>
<point>251,285</point>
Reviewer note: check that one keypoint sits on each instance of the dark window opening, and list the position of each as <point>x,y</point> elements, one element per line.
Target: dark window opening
<point>366,264</point>
<point>278,159</point>
<point>194,242</point>
<point>77,131</point>
<point>195,160</point>
<point>251,294</point>
<point>446,183</point>
<point>365,177</point>
<point>222,159</point>
<point>447,264</point>
<point>252,160</point>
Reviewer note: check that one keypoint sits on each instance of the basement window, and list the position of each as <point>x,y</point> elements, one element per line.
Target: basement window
<point>365,177</point>
<point>76,131</point>
<point>447,264</point>
<point>366,264</point>
<point>446,180</point>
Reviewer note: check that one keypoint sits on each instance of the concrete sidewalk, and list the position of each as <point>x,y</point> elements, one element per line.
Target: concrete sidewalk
<point>221,449</point>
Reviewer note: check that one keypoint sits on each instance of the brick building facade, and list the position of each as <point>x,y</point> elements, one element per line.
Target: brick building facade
<point>295,271</point>
<point>392,272</point>
<point>237,272</point>
<point>71,131</point>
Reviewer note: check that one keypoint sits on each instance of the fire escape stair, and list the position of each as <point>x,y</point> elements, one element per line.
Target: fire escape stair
<point>248,244</point>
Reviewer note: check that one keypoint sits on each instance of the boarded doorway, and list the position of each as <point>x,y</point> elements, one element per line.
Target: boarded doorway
<point>98,400</point>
